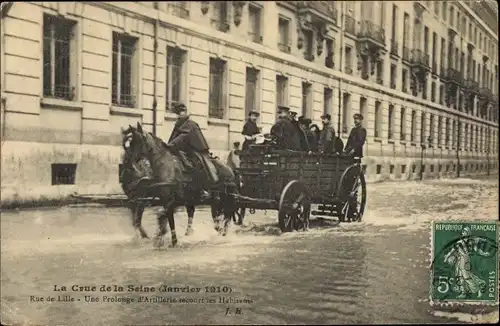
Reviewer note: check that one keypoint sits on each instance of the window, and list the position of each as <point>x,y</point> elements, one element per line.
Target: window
<point>346,106</point>
<point>441,94</point>
<point>394,22</point>
<point>390,117</point>
<point>431,130</point>
<point>327,100</point>
<point>217,89</point>
<point>254,20</point>
<point>433,91</point>
<point>406,30</point>
<point>175,76</point>
<point>402,124</point>
<point>124,70</point>
<point>380,72</point>
<point>404,78</point>
<point>329,58</point>
<point>306,99</point>
<point>445,10</point>
<point>63,174</point>
<point>220,18</point>
<point>436,8</point>
<point>413,125</point>
<point>309,39</point>
<point>281,90</point>
<point>454,135</point>
<point>58,63</point>
<point>284,35</point>
<point>378,119</point>
<point>470,32</point>
<point>447,132</point>
<point>422,128</point>
<point>393,76</point>
<point>363,106</point>
<point>251,90</point>
<point>348,60</point>
<point>452,17</point>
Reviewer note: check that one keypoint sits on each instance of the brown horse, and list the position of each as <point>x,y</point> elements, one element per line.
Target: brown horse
<point>136,179</point>
<point>175,187</point>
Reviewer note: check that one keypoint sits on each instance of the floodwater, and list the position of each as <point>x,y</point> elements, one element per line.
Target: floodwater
<point>376,271</point>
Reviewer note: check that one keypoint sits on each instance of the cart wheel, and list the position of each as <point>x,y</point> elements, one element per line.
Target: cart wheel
<point>352,193</point>
<point>294,207</point>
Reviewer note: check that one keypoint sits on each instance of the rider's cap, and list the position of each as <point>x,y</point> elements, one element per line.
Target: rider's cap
<point>178,108</point>
<point>326,116</point>
<point>307,121</point>
<point>358,116</point>
<point>283,109</point>
<point>293,113</point>
<point>302,119</point>
<point>236,144</point>
<point>253,112</point>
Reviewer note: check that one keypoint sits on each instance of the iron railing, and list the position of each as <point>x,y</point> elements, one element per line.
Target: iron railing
<point>178,8</point>
<point>419,57</point>
<point>454,75</point>
<point>370,30</point>
<point>394,47</point>
<point>284,47</point>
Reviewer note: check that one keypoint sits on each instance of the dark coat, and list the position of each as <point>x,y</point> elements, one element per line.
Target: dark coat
<point>187,137</point>
<point>249,129</point>
<point>312,140</point>
<point>286,134</point>
<point>327,139</point>
<point>356,140</point>
<point>304,139</point>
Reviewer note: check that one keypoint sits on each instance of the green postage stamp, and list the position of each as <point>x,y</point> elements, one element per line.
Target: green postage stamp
<point>464,262</point>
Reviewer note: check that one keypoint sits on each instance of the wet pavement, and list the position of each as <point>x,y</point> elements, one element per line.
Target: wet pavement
<point>376,271</point>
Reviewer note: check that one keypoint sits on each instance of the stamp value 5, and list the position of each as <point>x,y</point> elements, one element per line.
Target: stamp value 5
<point>464,262</point>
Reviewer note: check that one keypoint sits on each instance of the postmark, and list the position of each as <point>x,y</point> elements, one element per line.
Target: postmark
<point>464,267</point>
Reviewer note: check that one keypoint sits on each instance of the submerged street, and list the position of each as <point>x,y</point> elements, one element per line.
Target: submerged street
<point>376,271</point>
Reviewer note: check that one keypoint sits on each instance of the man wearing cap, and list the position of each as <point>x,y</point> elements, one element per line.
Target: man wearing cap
<point>357,137</point>
<point>285,132</point>
<point>327,135</point>
<point>250,129</point>
<point>187,138</point>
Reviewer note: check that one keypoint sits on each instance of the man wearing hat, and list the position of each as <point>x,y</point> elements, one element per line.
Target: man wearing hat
<point>327,136</point>
<point>285,132</point>
<point>312,140</point>
<point>357,137</point>
<point>250,129</point>
<point>304,140</point>
<point>187,139</point>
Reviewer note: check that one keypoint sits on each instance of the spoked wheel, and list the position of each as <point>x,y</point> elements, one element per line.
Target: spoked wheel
<point>352,192</point>
<point>294,207</point>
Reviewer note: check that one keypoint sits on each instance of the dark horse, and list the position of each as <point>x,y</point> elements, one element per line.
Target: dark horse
<point>136,180</point>
<point>176,187</point>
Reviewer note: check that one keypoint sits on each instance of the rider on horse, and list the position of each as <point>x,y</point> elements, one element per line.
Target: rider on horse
<point>187,140</point>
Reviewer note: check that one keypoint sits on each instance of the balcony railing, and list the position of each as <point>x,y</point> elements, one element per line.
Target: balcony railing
<point>372,31</point>
<point>350,25</point>
<point>394,47</point>
<point>348,70</point>
<point>435,68</point>
<point>472,86</point>
<point>321,9</point>
<point>454,76</point>
<point>418,57</point>
<point>485,93</point>
<point>406,53</point>
<point>178,9</point>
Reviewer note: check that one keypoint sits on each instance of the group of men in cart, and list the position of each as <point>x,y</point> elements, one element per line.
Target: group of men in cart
<point>288,133</point>
<point>300,134</point>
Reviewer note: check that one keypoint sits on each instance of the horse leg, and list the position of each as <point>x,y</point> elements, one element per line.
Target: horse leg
<point>171,224</point>
<point>229,211</point>
<point>162,229</point>
<point>190,211</point>
<point>139,211</point>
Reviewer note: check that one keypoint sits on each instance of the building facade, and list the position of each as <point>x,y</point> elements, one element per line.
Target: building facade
<point>424,75</point>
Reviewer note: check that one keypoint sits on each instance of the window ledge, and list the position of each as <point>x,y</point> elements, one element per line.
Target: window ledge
<point>413,144</point>
<point>218,122</point>
<point>390,141</point>
<point>402,142</point>
<point>377,139</point>
<point>169,116</point>
<point>54,103</point>
<point>133,112</point>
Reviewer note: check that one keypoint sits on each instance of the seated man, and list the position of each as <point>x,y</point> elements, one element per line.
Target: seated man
<point>250,129</point>
<point>187,138</point>
<point>285,132</point>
